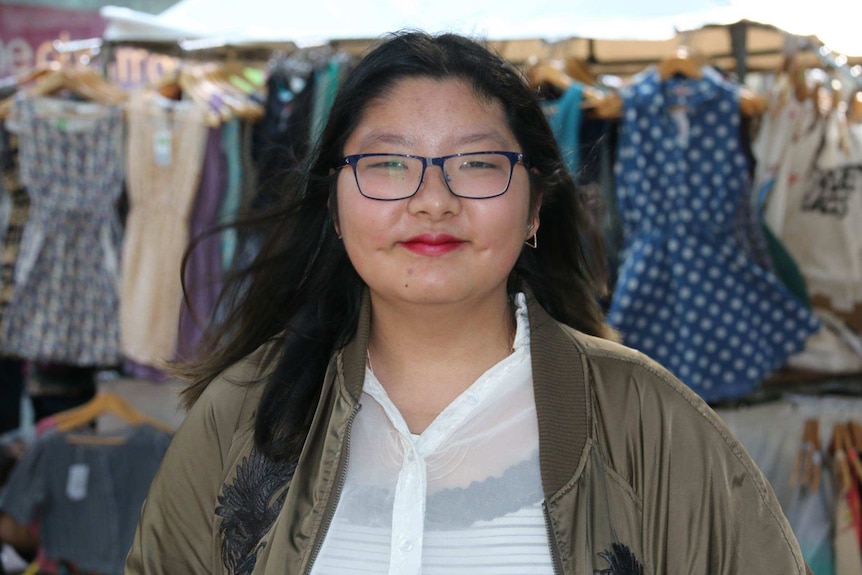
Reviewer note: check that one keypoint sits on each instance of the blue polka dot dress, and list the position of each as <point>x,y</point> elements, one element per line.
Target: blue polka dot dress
<point>687,294</point>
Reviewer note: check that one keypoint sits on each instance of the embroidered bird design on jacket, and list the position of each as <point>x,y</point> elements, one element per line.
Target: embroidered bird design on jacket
<point>248,507</point>
<point>621,561</point>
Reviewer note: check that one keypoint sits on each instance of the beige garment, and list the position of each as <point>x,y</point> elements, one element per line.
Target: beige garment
<point>821,224</point>
<point>166,145</point>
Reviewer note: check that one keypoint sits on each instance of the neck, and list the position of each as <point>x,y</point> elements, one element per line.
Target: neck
<point>425,356</point>
<point>433,331</point>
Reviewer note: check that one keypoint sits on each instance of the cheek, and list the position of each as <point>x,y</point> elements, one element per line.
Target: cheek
<point>507,226</point>
<point>363,223</point>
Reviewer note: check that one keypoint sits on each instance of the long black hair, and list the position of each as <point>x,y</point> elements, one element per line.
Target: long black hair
<point>301,289</point>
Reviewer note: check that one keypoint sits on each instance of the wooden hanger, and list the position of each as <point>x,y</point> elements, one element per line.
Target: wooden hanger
<point>852,442</point>
<point>81,80</point>
<point>168,86</point>
<point>210,85</point>
<point>195,88</point>
<point>31,75</point>
<point>841,113</point>
<point>85,82</point>
<point>751,104</point>
<point>602,105</point>
<point>105,403</point>
<point>236,99</point>
<point>839,457</point>
<point>550,72</point>
<point>577,69</point>
<point>856,435</point>
<point>682,63</point>
<point>796,74</point>
<point>854,110</point>
<point>174,85</point>
<point>609,105</point>
<point>241,75</point>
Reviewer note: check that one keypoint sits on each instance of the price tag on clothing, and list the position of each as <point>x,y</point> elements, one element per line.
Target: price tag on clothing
<point>76,484</point>
<point>680,117</point>
<point>162,147</point>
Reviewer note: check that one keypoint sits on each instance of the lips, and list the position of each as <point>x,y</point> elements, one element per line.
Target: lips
<point>433,244</point>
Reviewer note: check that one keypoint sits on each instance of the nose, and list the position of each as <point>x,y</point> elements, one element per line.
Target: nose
<point>433,196</point>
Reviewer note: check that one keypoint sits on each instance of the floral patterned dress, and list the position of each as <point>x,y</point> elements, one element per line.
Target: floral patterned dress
<point>65,303</point>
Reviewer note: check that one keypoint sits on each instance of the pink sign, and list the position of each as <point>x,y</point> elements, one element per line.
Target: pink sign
<point>27,34</point>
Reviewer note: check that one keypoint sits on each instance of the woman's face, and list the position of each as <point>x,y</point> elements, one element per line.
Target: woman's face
<point>434,247</point>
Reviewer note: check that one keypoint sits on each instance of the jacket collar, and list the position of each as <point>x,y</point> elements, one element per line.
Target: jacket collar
<point>355,353</point>
<point>559,388</point>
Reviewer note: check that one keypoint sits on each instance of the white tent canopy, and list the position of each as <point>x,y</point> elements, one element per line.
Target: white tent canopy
<point>258,21</point>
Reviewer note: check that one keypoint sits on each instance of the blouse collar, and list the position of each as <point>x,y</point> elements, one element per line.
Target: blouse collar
<point>559,373</point>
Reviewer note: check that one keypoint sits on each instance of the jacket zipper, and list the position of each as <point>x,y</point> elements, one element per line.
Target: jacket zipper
<point>332,504</point>
<point>552,541</point>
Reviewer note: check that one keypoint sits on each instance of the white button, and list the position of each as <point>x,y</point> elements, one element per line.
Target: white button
<point>407,546</point>
<point>409,456</point>
<point>471,400</point>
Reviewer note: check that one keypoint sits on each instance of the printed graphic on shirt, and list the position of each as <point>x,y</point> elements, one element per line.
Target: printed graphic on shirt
<point>248,507</point>
<point>621,561</point>
<point>831,190</point>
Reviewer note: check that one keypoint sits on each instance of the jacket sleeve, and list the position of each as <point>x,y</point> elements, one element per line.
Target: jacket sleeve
<point>706,507</point>
<point>713,508</point>
<point>175,530</point>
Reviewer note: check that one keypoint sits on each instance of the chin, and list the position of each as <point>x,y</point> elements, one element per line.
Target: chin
<point>442,294</point>
<point>429,296</point>
<point>414,293</point>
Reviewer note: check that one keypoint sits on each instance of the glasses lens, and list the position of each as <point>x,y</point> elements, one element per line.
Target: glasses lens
<point>478,175</point>
<point>388,177</point>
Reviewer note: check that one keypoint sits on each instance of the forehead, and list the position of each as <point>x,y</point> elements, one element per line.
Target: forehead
<point>425,108</point>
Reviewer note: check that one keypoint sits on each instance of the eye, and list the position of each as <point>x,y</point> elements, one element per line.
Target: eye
<point>484,162</point>
<point>477,165</point>
<point>389,164</point>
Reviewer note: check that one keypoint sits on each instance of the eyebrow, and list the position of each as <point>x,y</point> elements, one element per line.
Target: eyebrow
<point>400,140</point>
<point>493,136</point>
<point>384,138</point>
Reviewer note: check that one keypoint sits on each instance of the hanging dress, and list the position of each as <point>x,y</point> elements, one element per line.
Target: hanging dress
<point>564,116</point>
<point>203,272</point>
<point>64,305</point>
<point>166,147</point>
<point>687,295</point>
<point>17,203</point>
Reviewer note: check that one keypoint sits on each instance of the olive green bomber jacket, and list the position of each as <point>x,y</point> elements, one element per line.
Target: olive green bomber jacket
<point>639,475</point>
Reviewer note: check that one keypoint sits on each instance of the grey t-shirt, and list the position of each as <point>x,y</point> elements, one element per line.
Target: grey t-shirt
<point>87,496</point>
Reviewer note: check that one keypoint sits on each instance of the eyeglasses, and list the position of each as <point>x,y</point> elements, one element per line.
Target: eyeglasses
<point>474,175</point>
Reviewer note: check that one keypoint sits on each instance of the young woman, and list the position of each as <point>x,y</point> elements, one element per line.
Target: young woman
<point>416,377</point>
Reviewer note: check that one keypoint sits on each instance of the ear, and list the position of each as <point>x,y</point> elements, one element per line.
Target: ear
<point>333,215</point>
<point>533,221</point>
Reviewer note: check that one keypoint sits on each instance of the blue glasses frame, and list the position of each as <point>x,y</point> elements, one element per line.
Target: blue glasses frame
<point>514,158</point>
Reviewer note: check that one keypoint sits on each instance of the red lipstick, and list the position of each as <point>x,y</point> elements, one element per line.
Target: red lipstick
<point>433,244</point>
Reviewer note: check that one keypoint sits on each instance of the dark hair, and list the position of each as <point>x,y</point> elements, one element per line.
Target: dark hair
<point>301,288</point>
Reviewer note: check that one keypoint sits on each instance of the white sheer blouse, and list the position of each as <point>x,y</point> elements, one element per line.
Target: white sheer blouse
<point>465,496</point>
